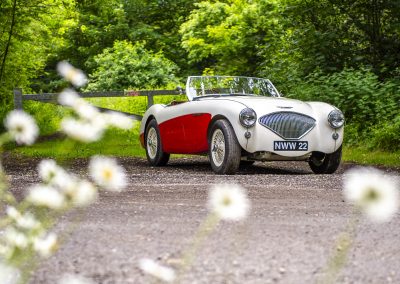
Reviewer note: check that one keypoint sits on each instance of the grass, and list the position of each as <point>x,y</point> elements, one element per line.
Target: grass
<point>365,156</point>
<point>115,143</point>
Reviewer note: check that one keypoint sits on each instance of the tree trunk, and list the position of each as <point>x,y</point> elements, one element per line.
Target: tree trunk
<point>10,35</point>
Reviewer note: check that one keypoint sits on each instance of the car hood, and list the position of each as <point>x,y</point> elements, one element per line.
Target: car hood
<point>264,105</point>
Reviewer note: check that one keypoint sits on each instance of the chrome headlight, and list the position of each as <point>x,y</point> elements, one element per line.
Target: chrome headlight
<point>248,117</point>
<point>336,118</point>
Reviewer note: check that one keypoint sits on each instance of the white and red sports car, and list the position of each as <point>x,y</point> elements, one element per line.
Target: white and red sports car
<point>243,119</point>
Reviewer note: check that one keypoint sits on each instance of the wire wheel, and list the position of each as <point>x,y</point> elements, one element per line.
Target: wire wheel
<point>155,155</point>
<point>152,143</point>
<point>218,147</point>
<point>224,149</point>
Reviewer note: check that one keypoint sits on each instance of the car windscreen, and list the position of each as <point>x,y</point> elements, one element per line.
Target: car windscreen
<point>229,85</point>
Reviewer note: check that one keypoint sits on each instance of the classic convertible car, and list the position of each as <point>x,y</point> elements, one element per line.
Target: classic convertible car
<point>240,120</point>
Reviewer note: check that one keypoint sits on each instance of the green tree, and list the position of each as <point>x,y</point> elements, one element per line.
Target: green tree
<point>28,33</point>
<point>333,34</point>
<point>238,37</point>
<point>127,66</point>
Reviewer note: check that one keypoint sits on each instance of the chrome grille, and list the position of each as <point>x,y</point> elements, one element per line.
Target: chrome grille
<point>288,125</point>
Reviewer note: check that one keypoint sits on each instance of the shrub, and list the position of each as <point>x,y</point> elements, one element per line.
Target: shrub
<point>126,66</point>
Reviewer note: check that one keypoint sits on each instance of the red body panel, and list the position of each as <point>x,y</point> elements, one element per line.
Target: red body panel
<point>142,139</point>
<point>185,134</point>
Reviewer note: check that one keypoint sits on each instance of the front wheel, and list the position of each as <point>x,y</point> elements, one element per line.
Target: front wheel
<point>224,149</point>
<point>321,163</point>
<point>155,155</point>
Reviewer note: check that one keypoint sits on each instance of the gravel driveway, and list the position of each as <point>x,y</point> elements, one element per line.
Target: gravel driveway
<point>295,220</point>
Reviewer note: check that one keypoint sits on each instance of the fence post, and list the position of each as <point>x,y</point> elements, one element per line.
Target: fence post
<point>18,98</point>
<point>150,100</point>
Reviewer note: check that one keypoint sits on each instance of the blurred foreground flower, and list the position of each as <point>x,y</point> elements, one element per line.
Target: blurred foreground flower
<point>45,246</point>
<point>151,267</point>
<point>47,196</point>
<point>229,202</point>
<point>52,174</point>
<point>107,173</point>
<point>91,123</point>
<point>83,131</point>
<point>373,192</point>
<point>8,274</point>
<point>25,221</point>
<point>119,120</point>
<point>22,127</point>
<point>72,74</point>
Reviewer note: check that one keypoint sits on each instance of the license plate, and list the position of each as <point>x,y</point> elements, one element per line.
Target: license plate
<point>290,145</point>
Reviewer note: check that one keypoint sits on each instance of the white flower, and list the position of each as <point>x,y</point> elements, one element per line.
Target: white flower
<point>86,111</point>
<point>28,221</point>
<point>45,246</point>
<point>375,193</point>
<point>42,195</point>
<point>163,273</point>
<point>107,173</point>
<point>119,120</point>
<point>16,238</point>
<point>229,202</point>
<point>82,130</point>
<point>68,97</point>
<point>13,213</point>
<point>22,127</point>
<point>74,279</point>
<point>85,193</point>
<point>9,274</point>
<point>72,74</point>
<point>52,174</point>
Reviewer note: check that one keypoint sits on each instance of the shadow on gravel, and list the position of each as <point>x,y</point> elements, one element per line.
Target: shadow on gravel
<point>270,168</point>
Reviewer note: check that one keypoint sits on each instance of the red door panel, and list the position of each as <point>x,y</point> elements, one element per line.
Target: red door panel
<point>186,134</point>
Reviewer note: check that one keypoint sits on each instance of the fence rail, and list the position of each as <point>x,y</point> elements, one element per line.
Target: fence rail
<point>19,98</point>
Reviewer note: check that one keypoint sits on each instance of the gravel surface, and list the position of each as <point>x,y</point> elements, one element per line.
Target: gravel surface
<point>296,218</point>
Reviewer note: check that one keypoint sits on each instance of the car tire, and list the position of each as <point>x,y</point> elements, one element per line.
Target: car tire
<point>224,149</point>
<point>321,163</point>
<point>153,145</point>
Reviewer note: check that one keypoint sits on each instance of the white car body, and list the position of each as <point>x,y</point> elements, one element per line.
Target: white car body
<point>291,130</point>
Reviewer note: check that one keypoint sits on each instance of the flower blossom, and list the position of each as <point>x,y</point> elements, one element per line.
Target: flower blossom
<point>22,127</point>
<point>119,120</point>
<point>151,267</point>
<point>68,97</point>
<point>42,195</point>
<point>72,74</point>
<point>83,131</point>
<point>229,202</point>
<point>107,173</point>
<point>373,192</point>
<point>52,174</point>
<point>84,194</point>
<point>16,238</point>
<point>25,221</point>
<point>9,274</point>
<point>45,246</point>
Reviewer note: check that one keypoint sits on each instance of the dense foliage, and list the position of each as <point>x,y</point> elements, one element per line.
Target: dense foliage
<point>342,52</point>
<point>130,66</point>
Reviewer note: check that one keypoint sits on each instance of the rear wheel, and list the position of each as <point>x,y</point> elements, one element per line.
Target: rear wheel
<point>153,145</point>
<point>224,149</point>
<point>321,163</point>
